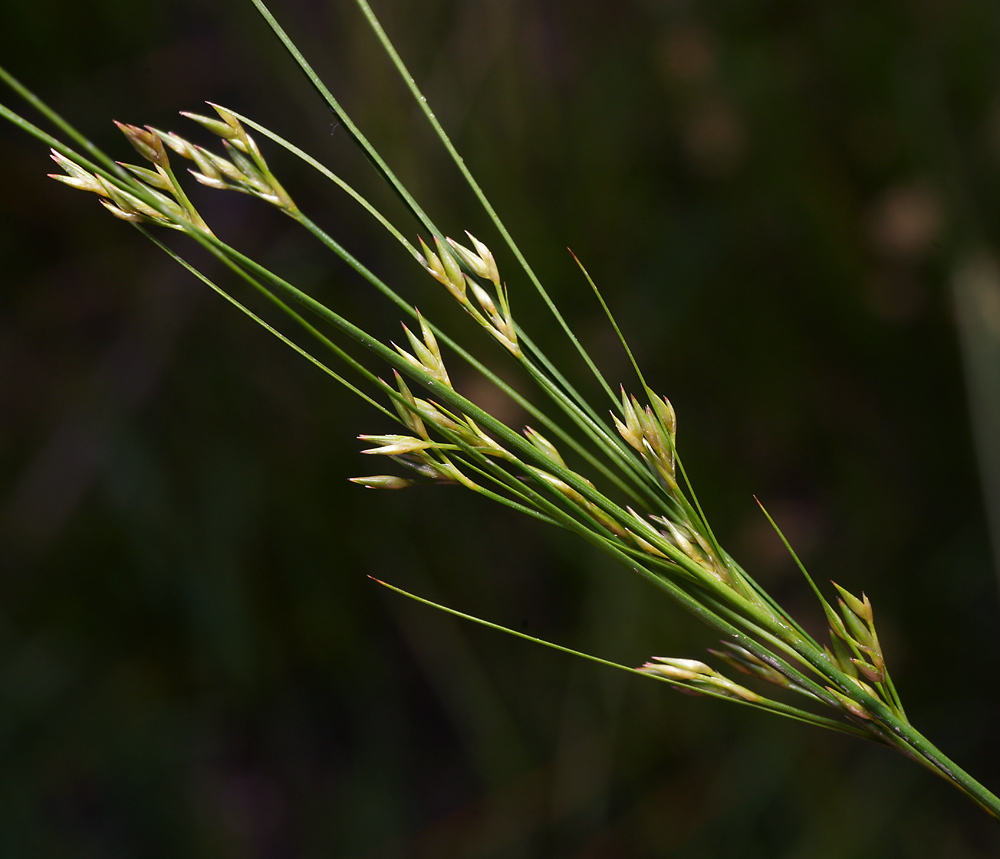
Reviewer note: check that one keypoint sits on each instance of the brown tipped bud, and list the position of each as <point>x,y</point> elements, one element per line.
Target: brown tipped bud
<point>227,117</point>
<point>240,139</point>
<point>652,433</point>
<point>560,486</point>
<point>439,472</point>
<point>220,165</point>
<point>478,438</point>
<point>424,357</point>
<point>643,427</point>
<point>836,624</point>
<point>864,687</point>
<point>861,607</point>
<point>623,430</point>
<point>249,174</point>
<point>599,516</point>
<point>146,142</point>
<point>480,261</point>
<point>78,183</point>
<point>126,202</point>
<point>206,165</point>
<point>76,176</point>
<point>875,657</point>
<point>209,181</point>
<point>870,672</point>
<point>429,337</point>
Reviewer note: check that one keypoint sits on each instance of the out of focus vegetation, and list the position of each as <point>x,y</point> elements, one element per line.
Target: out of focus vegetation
<point>778,199</point>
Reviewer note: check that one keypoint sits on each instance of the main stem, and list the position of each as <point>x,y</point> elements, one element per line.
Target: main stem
<point>922,750</point>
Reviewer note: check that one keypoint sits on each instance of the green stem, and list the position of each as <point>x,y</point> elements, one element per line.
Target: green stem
<point>421,100</point>
<point>767,704</point>
<point>916,745</point>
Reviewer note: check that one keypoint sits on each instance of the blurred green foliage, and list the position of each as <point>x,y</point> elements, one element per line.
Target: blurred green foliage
<point>774,197</point>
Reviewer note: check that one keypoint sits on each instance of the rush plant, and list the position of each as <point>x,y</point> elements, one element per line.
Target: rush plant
<point>609,472</point>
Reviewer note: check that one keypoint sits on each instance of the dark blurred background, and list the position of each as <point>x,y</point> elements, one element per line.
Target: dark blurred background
<point>791,207</point>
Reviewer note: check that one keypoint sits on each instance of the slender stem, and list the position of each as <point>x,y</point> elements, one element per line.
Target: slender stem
<point>925,752</point>
<point>770,705</point>
<point>421,100</point>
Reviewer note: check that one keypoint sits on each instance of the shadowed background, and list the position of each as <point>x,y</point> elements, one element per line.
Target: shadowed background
<point>781,202</point>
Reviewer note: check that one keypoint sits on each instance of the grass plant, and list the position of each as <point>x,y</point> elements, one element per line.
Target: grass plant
<point>609,471</point>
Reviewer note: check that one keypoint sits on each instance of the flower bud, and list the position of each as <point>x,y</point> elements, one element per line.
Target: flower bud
<point>382,481</point>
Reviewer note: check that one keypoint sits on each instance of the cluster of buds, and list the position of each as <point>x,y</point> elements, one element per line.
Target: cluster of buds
<point>146,141</point>
<point>429,458</point>
<point>694,677</point>
<point>418,452</point>
<point>443,266</point>
<point>161,200</point>
<point>857,652</point>
<point>426,353</point>
<point>694,545</point>
<point>652,432</point>
<point>422,456</point>
<point>244,170</point>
